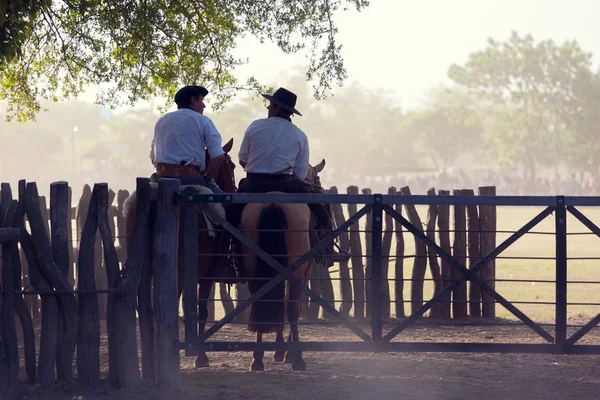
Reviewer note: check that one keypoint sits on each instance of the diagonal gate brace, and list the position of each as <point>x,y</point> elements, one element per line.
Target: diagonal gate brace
<point>469,274</point>
<point>285,273</point>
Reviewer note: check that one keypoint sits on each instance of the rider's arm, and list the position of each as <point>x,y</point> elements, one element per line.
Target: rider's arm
<point>213,140</point>
<point>244,149</point>
<point>301,164</point>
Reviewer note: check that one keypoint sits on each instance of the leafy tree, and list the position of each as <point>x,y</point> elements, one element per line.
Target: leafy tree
<point>529,93</point>
<point>140,49</point>
<point>446,128</point>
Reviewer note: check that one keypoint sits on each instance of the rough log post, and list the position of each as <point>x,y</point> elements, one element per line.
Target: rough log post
<point>122,195</point>
<point>487,222</point>
<point>55,276</point>
<point>420,263</point>
<point>399,267</point>
<point>127,349</point>
<point>432,214</point>
<point>47,351</point>
<point>111,263</point>
<point>146,311</point>
<point>10,357</point>
<point>81,215</point>
<point>70,243</point>
<point>444,228</point>
<point>386,247</point>
<point>60,211</point>
<point>190,273</point>
<point>459,295</point>
<point>474,255</point>
<point>344,273</point>
<point>88,344</point>
<point>21,308</point>
<point>166,307</point>
<point>369,258</point>
<point>358,273</point>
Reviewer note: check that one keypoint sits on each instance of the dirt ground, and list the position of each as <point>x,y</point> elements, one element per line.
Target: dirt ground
<point>352,376</point>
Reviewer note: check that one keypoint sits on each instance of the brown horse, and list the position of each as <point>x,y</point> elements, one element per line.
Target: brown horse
<point>221,170</point>
<point>279,230</point>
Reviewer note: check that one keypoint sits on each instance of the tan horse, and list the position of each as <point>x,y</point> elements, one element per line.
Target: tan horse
<point>222,173</point>
<point>279,230</point>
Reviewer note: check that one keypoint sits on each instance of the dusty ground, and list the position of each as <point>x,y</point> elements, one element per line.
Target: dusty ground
<point>351,376</point>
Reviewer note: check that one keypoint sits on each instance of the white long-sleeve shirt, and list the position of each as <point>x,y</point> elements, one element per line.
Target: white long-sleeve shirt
<point>271,145</point>
<point>183,135</point>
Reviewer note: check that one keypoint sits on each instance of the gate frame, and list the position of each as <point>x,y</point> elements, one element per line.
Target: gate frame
<point>378,342</point>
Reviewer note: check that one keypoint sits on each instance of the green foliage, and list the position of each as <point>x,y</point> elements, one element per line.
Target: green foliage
<point>140,49</point>
<point>531,98</point>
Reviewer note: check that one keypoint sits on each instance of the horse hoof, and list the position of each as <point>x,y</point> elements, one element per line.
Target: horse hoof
<point>278,356</point>
<point>298,364</point>
<point>257,365</point>
<point>201,362</point>
<point>289,358</point>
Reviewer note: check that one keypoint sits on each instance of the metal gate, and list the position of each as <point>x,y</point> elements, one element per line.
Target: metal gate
<point>558,341</point>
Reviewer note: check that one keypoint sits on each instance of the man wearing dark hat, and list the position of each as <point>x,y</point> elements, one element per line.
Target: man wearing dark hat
<point>275,153</point>
<point>183,137</point>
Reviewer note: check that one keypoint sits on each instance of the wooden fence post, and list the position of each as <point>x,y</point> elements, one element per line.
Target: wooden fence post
<point>111,263</point>
<point>358,273</point>
<point>48,341</point>
<point>444,228</point>
<point>127,348</point>
<point>88,344</point>
<point>399,266</point>
<point>386,247</point>
<point>459,295</point>
<point>420,263</point>
<point>474,229</point>
<point>9,348</point>
<point>368,258</point>
<point>168,375</point>
<point>434,266</point>
<point>21,308</point>
<point>60,217</point>
<point>344,273</point>
<point>487,218</point>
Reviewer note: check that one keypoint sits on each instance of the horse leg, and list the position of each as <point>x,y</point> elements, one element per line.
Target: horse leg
<point>203,295</point>
<point>289,356</point>
<point>279,354</point>
<point>257,359</point>
<point>294,308</point>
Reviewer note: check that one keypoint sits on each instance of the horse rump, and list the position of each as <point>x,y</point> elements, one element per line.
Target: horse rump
<point>268,313</point>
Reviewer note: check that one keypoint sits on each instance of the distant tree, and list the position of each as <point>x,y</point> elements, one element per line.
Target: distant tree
<point>140,49</point>
<point>446,128</point>
<point>529,94</point>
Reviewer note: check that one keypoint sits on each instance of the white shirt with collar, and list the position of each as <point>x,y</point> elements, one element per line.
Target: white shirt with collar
<point>183,135</point>
<point>271,145</point>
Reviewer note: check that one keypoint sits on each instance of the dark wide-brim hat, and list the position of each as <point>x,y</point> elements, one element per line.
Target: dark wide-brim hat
<point>285,99</point>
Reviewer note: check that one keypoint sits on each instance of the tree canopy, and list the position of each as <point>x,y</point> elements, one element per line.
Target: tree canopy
<point>51,49</point>
<point>536,100</point>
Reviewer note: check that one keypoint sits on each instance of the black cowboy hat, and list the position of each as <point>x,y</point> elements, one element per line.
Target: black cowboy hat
<point>185,94</point>
<point>285,99</point>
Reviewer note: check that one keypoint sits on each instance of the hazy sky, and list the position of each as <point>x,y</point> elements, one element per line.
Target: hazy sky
<point>405,47</point>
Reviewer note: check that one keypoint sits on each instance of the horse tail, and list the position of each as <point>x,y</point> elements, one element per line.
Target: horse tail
<point>268,313</point>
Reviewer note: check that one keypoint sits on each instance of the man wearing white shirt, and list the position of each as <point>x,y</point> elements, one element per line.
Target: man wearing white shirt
<point>275,153</point>
<point>182,138</point>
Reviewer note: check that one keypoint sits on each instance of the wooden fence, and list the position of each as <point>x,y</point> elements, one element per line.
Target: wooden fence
<point>70,269</point>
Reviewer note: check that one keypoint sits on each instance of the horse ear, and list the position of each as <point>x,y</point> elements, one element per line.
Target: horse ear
<point>319,167</point>
<point>228,146</point>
